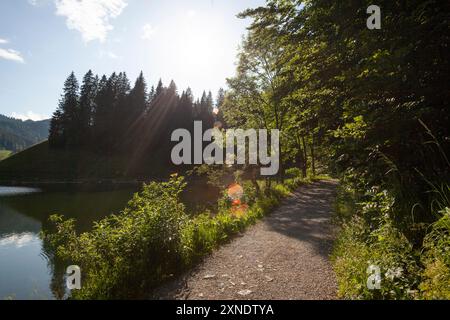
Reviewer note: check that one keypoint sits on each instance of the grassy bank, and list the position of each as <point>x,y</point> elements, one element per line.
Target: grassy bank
<point>153,239</point>
<point>4,154</point>
<point>370,235</point>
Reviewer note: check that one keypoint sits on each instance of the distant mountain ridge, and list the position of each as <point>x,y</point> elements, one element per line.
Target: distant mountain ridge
<point>17,135</point>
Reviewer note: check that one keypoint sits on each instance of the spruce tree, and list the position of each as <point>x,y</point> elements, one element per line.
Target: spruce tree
<point>151,95</point>
<point>219,103</point>
<point>120,112</point>
<point>56,132</point>
<point>204,110</point>
<point>69,112</point>
<point>87,105</point>
<point>101,114</point>
<point>172,87</point>
<point>184,112</point>
<point>159,88</point>
<point>138,97</point>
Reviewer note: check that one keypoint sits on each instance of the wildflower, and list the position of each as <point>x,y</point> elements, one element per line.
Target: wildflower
<point>394,273</point>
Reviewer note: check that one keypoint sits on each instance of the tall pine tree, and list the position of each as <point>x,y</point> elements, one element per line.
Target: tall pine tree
<point>138,97</point>
<point>64,130</point>
<point>87,106</point>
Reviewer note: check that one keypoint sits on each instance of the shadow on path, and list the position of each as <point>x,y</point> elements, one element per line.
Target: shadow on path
<point>306,215</point>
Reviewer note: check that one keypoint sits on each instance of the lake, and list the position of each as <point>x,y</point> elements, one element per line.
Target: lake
<point>26,271</point>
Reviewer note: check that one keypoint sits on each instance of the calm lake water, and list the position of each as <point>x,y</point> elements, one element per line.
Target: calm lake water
<point>26,271</point>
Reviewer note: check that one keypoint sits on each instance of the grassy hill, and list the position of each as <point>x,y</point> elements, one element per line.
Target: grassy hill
<point>17,135</point>
<point>40,163</point>
<point>4,154</point>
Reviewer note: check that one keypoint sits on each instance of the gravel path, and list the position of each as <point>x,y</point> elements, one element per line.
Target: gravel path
<point>284,256</point>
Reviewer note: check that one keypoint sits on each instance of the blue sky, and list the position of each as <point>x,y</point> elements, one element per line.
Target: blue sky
<point>41,41</point>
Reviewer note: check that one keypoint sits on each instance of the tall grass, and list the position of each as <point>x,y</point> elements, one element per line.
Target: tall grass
<point>403,229</point>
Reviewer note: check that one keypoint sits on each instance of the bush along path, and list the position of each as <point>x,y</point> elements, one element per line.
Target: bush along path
<point>283,256</point>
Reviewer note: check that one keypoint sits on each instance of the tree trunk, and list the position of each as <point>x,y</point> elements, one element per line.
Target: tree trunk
<point>300,158</point>
<point>255,181</point>
<point>305,156</point>
<point>313,160</point>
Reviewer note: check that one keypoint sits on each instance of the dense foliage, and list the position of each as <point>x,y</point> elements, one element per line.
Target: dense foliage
<point>373,106</point>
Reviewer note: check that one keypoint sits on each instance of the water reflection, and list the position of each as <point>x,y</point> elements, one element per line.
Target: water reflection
<point>15,191</point>
<point>17,240</point>
<point>28,269</point>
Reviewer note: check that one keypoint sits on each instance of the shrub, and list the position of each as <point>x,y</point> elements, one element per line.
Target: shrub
<point>370,237</point>
<point>436,258</point>
<point>127,255</point>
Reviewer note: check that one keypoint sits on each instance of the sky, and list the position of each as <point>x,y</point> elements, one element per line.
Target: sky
<point>193,42</point>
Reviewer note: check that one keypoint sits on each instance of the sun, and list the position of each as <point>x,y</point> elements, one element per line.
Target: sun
<point>197,49</point>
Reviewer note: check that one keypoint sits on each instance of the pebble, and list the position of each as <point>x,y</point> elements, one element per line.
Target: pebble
<point>244,292</point>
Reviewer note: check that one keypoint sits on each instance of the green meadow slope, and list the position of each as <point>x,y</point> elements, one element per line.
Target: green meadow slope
<point>4,154</point>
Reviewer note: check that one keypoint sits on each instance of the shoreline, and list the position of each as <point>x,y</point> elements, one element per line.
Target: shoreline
<point>88,184</point>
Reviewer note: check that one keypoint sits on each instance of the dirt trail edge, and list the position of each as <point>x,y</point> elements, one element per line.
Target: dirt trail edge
<point>283,256</point>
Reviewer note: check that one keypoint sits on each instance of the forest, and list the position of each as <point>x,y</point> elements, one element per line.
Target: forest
<point>16,135</point>
<point>108,115</point>
<point>369,107</point>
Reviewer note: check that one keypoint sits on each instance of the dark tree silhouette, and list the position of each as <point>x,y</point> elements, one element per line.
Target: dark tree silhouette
<point>87,106</point>
<point>108,116</point>
<point>64,125</point>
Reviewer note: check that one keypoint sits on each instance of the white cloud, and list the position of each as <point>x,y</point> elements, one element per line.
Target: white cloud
<point>10,54</point>
<point>3,41</point>
<point>108,54</point>
<point>29,115</point>
<point>39,3</point>
<point>148,31</point>
<point>112,55</point>
<point>90,17</point>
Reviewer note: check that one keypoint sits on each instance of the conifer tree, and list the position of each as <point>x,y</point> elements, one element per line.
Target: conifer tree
<point>151,95</point>
<point>102,111</point>
<point>204,110</point>
<point>138,97</point>
<point>56,131</point>
<point>159,88</point>
<point>120,113</point>
<point>184,112</point>
<point>219,103</point>
<point>64,128</point>
<point>87,105</point>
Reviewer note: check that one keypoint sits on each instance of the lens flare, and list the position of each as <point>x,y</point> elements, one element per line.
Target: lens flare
<point>235,193</point>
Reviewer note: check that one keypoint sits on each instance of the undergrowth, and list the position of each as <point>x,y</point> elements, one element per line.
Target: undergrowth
<point>370,236</point>
<point>127,255</point>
